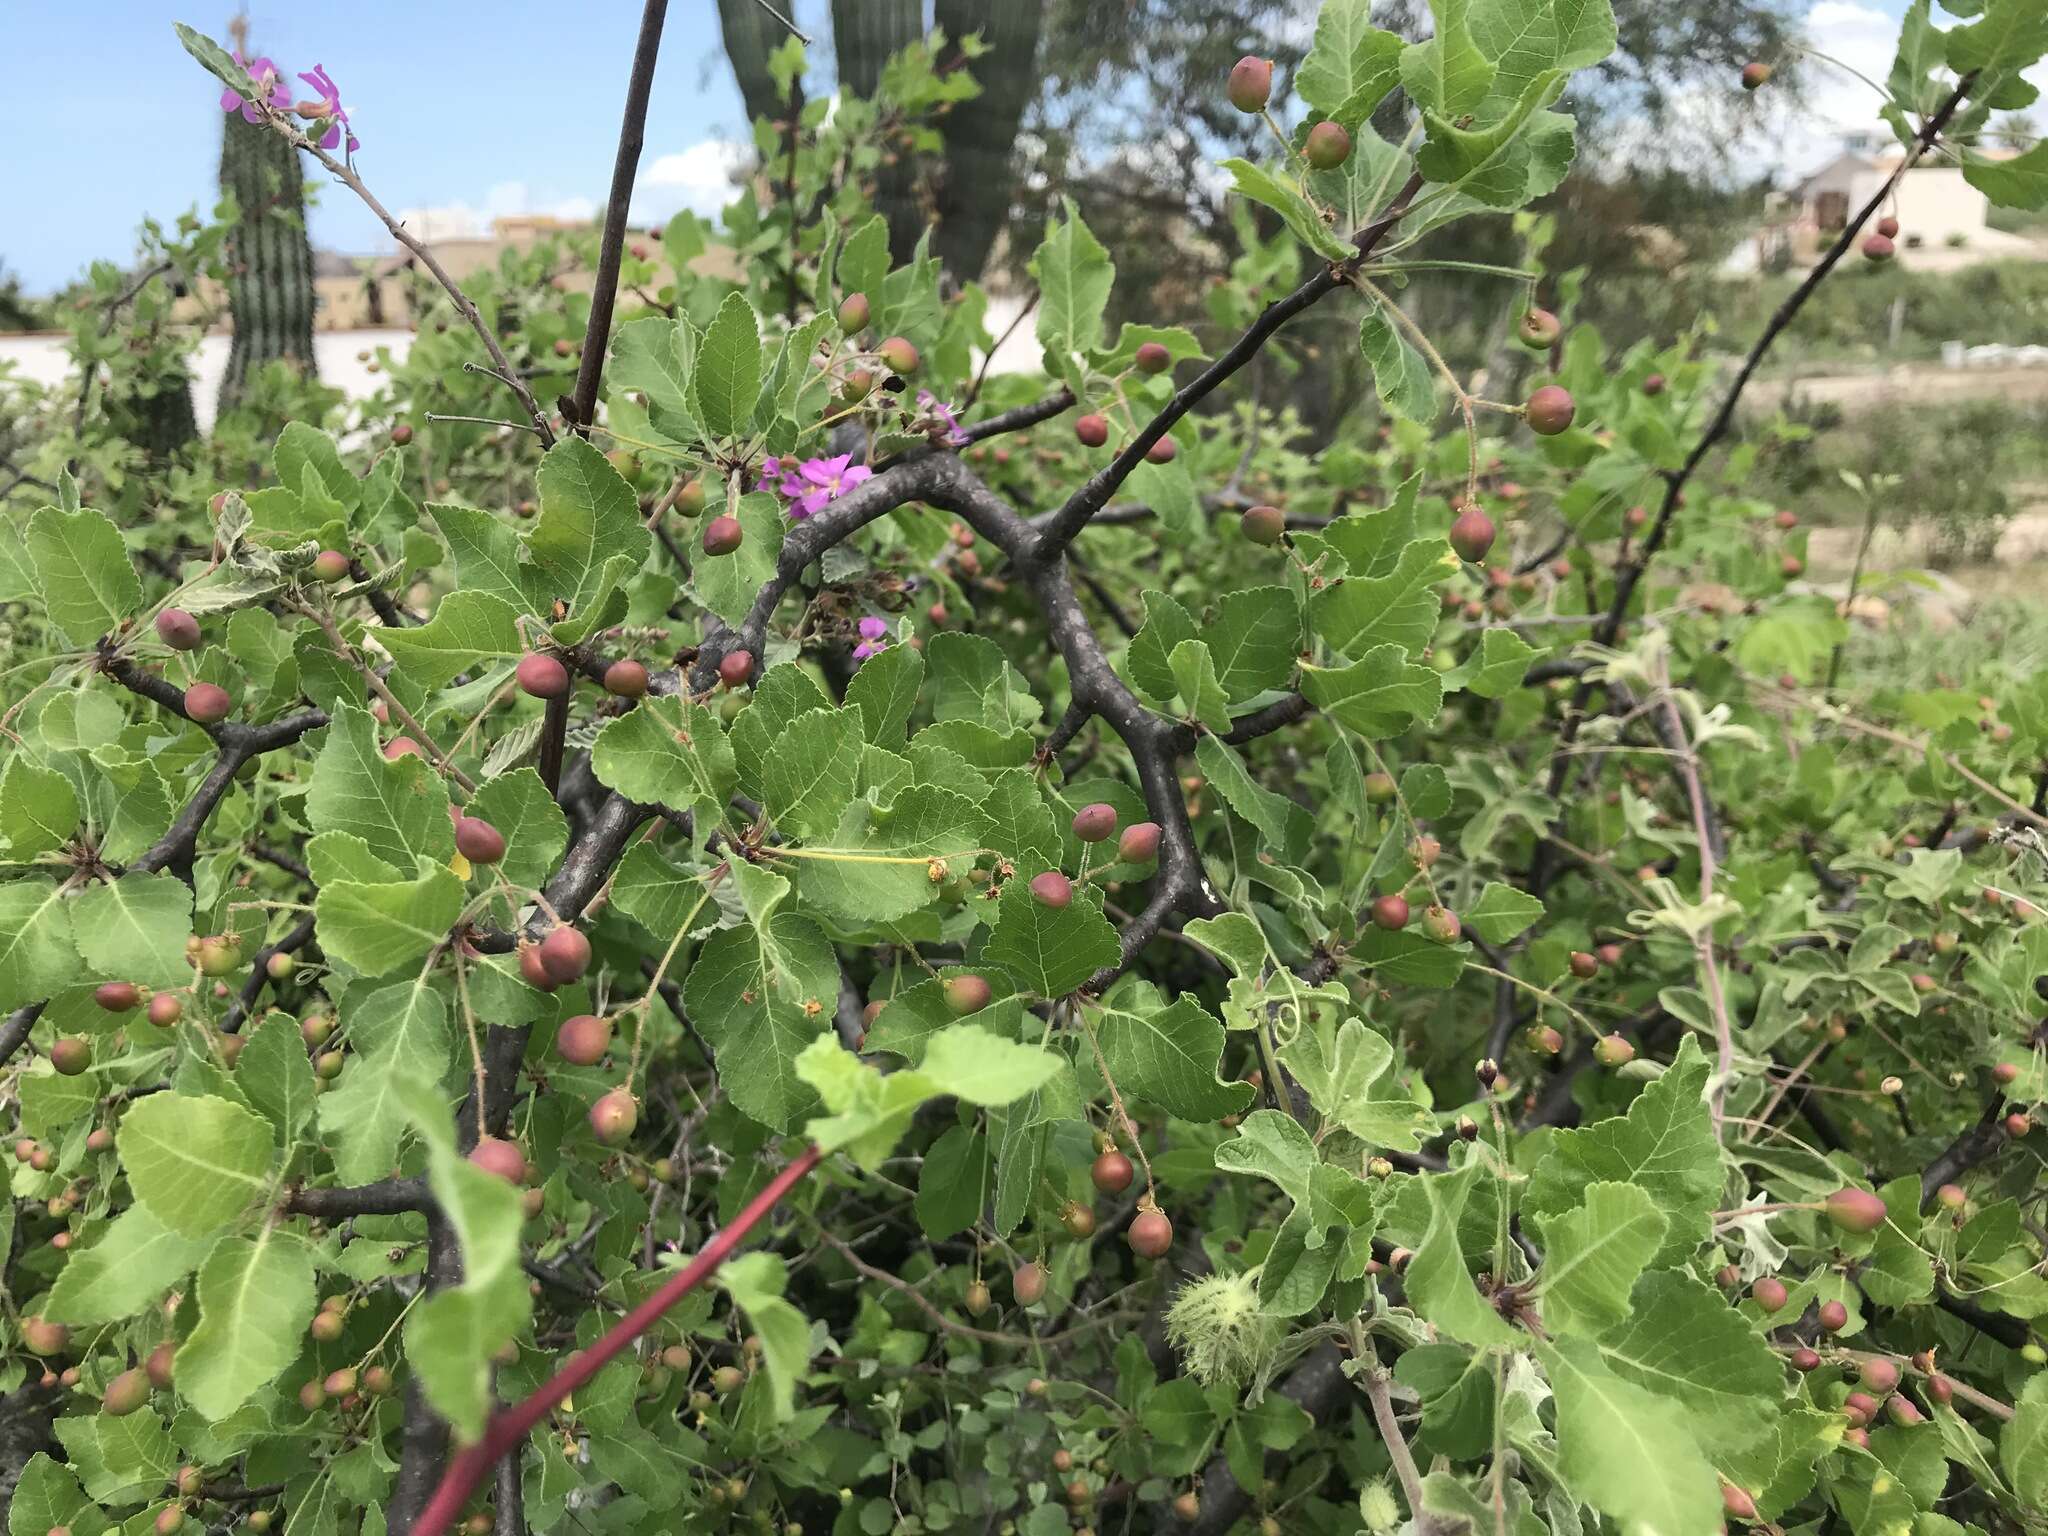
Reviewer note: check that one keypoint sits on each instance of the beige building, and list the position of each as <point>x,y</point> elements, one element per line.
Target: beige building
<point>1943,220</point>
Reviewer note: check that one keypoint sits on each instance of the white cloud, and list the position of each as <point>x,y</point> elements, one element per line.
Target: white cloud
<point>461,220</point>
<point>700,177</point>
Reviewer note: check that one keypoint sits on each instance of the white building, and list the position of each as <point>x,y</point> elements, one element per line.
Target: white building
<point>1943,220</point>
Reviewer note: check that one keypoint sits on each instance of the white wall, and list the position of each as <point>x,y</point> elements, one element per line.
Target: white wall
<point>42,358</point>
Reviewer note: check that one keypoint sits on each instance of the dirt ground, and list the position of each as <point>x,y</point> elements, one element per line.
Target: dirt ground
<point>1922,381</point>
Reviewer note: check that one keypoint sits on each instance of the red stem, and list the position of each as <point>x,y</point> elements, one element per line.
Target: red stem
<point>507,1429</point>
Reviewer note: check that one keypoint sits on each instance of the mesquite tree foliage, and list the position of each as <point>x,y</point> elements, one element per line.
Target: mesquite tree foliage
<point>1221,980</point>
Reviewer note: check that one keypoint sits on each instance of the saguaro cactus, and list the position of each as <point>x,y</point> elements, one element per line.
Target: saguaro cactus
<point>269,257</point>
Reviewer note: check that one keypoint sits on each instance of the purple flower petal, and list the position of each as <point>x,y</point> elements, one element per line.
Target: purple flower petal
<point>853,477</point>
<point>873,628</point>
<point>815,502</point>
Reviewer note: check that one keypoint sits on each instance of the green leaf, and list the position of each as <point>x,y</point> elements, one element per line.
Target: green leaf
<point>1627,1452</point>
<point>1525,38</point>
<point>82,568</point>
<point>307,461</point>
<point>954,1183</point>
<point>126,1271</point>
<point>2021,182</point>
<point>761,993</point>
<point>37,953</point>
<point>1592,1257</point>
<point>277,1075</point>
<point>377,928</point>
<point>1681,1339</point>
<point>1501,913</point>
<point>1496,668</point>
<point>877,866</point>
<point>2023,1443</point>
<point>1254,640</point>
<point>1074,275</point>
<point>973,680</point>
<point>884,690</point>
<point>38,809</point>
<point>1296,211</point>
<point>401,1034</point>
<point>1351,65</point>
<point>589,517</point>
<point>485,549</point>
<point>1166,1053</point>
<point>47,1495</point>
<point>121,1460</point>
<point>755,1281</point>
<point>469,630</point>
<point>255,1299</point>
<point>1049,950</point>
<point>196,1162</point>
<point>2010,35</point>
<point>1438,1282</point>
<point>1485,162</point>
<point>727,584</point>
<point>1195,686</point>
<point>811,771</point>
<point>1380,695</point>
<point>871,1109</point>
<point>1273,1146</point>
<point>134,928</point>
<point>485,1214</point>
<point>1665,1144</point>
<point>1338,1065</point>
<point>656,357</point>
<point>1396,604</point>
<point>726,380</point>
<point>399,809</point>
<point>864,261</point>
<point>1898,1272</point>
<point>668,751</point>
<point>1400,374</point>
<point>535,830</point>
<point>1284,827</point>
<point>1447,75</point>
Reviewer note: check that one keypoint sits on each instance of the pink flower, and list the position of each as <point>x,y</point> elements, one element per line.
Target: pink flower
<point>942,415</point>
<point>874,637</point>
<point>269,80</point>
<point>330,108</point>
<point>820,482</point>
<point>780,477</point>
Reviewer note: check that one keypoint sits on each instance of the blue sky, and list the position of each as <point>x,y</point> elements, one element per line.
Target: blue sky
<point>489,105</point>
<point>469,108</point>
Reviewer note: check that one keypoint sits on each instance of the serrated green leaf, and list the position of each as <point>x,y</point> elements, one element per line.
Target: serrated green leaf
<point>1351,65</point>
<point>1165,1053</point>
<point>1074,276</point>
<point>1295,210</point>
<point>83,572</point>
<point>197,1162</point>
<point>399,809</point>
<point>375,929</point>
<point>1380,695</point>
<point>1593,1255</point>
<point>1501,913</point>
<point>255,1300</point>
<point>668,751</point>
<point>589,517</point>
<point>469,630</point>
<point>135,1261</point>
<point>1401,376</point>
<point>1627,1452</point>
<point>1395,605</point>
<point>761,993</point>
<point>1049,950</point>
<point>134,928</point>
<point>726,378</point>
<point>401,1034</point>
<point>1665,1144</point>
